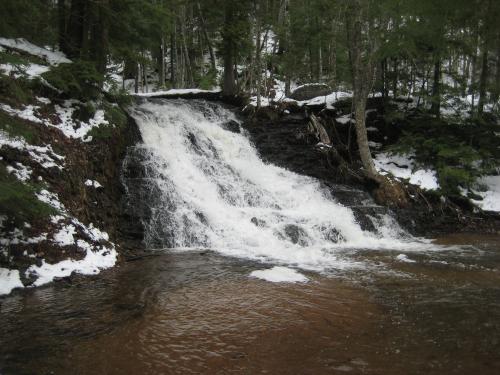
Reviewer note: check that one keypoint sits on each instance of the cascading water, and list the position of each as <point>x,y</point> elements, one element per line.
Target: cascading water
<point>205,186</point>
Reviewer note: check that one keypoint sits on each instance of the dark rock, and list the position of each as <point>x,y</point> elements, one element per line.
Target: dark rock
<point>258,222</point>
<point>310,91</point>
<point>232,126</point>
<point>296,234</point>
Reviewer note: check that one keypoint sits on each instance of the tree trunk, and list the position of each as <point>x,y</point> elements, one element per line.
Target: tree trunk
<point>257,54</point>
<point>207,39</point>
<point>229,86</point>
<point>362,52</point>
<point>483,80</point>
<point>436,89</point>
<point>74,29</point>
<point>61,21</point>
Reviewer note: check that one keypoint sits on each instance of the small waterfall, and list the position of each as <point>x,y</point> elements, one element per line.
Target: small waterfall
<point>203,185</point>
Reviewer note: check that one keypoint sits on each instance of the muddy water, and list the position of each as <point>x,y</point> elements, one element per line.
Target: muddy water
<point>199,313</point>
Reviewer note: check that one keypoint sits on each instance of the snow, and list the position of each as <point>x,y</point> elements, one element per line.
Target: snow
<point>403,167</point>
<point>65,236</point>
<point>279,274</point>
<point>404,258</point>
<point>67,125</point>
<point>50,198</point>
<point>176,92</point>
<point>52,57</point>
<point>72,129</point>
<point>93,183</point>
<point>491,197</point>
<point>43,155</point>
<point>29,70</point>
<point>22,172</point>
<point>9,279</point>
<point>92,264</point>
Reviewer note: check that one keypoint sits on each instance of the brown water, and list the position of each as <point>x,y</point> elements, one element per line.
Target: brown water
<point>199,313</point>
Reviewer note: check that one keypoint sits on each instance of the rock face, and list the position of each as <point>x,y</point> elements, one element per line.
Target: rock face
<point>310,91</point>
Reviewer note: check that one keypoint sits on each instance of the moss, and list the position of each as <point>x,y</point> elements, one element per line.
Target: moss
<point>79,80</point>
<point>15,91</point>
<point>18,200</point>
<point>16,127</point>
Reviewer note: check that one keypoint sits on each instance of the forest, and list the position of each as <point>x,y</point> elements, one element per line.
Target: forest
<point>443,55</point>
<point>249,186</point>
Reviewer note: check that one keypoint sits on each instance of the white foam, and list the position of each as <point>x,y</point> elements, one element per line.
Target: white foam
<point>280,275</point>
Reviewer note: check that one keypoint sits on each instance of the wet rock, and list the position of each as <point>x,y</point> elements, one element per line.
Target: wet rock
<point>310,91</point>
<point>296,234</point>
<point>258,222</point>
<point>232,126</point>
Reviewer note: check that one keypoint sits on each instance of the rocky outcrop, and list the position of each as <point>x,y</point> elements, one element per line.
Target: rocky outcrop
<point>310,91</point>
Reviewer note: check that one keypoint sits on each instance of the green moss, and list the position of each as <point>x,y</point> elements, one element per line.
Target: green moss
<point>16,127</point>
<point>18,200</point>
<point>79,80</point>
<point>15,91</point>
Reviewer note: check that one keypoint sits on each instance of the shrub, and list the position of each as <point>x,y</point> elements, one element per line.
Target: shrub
<point>78,80</point>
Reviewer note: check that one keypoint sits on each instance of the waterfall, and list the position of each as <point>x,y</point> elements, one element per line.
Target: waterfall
<point>204,186</point>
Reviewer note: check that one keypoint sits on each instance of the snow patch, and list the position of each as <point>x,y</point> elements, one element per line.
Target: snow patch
<point>9,279</point>
<point>22,172</point>
<point>52,57</point>
<point>491,197</point>
<point>403,166</point>
<point>93,183</point>
<point>279,274</point>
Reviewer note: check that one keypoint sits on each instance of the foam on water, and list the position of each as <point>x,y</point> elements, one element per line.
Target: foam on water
<point>213,191</point>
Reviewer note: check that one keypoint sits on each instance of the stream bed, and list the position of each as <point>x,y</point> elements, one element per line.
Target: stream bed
<point>197,312</point>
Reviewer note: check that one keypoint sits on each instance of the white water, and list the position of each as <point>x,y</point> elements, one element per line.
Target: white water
<point>213,191</point>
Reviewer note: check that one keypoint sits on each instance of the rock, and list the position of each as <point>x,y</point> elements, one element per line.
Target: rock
<point>296,234</point>
<point>232,126</point>
<point>258,222</point>
<point>310,91</point>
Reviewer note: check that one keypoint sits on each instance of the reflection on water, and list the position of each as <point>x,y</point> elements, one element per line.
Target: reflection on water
<point>198,313</point>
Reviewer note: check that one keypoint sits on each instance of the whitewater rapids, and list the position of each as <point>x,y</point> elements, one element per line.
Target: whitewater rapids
<point>206,187</point>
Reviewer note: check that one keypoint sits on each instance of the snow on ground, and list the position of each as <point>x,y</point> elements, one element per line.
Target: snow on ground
<point>43,155</point>
<point>491,197</point>
<point>176,92</point>
<point>21,171</point>
<point>30,70</point>
<point>9,279</point>
<point>52,57</point>
<point>69,127</point>
<point>279,274</point>
<point>403,166</point>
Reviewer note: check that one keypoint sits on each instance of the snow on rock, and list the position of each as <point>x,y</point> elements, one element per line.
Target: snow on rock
<point>279,274</point>
<point>404,258</point>
<point>93,183</point>
<point>9,279</point>
<point>403,166</point>
<point>491,197</point>
<point>52,57</point>
<point>65,236</point>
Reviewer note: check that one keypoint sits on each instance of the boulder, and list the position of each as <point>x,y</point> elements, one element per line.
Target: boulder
<point>310,91</point>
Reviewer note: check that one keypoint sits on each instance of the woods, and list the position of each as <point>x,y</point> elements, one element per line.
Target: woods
<point>443,56</point>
